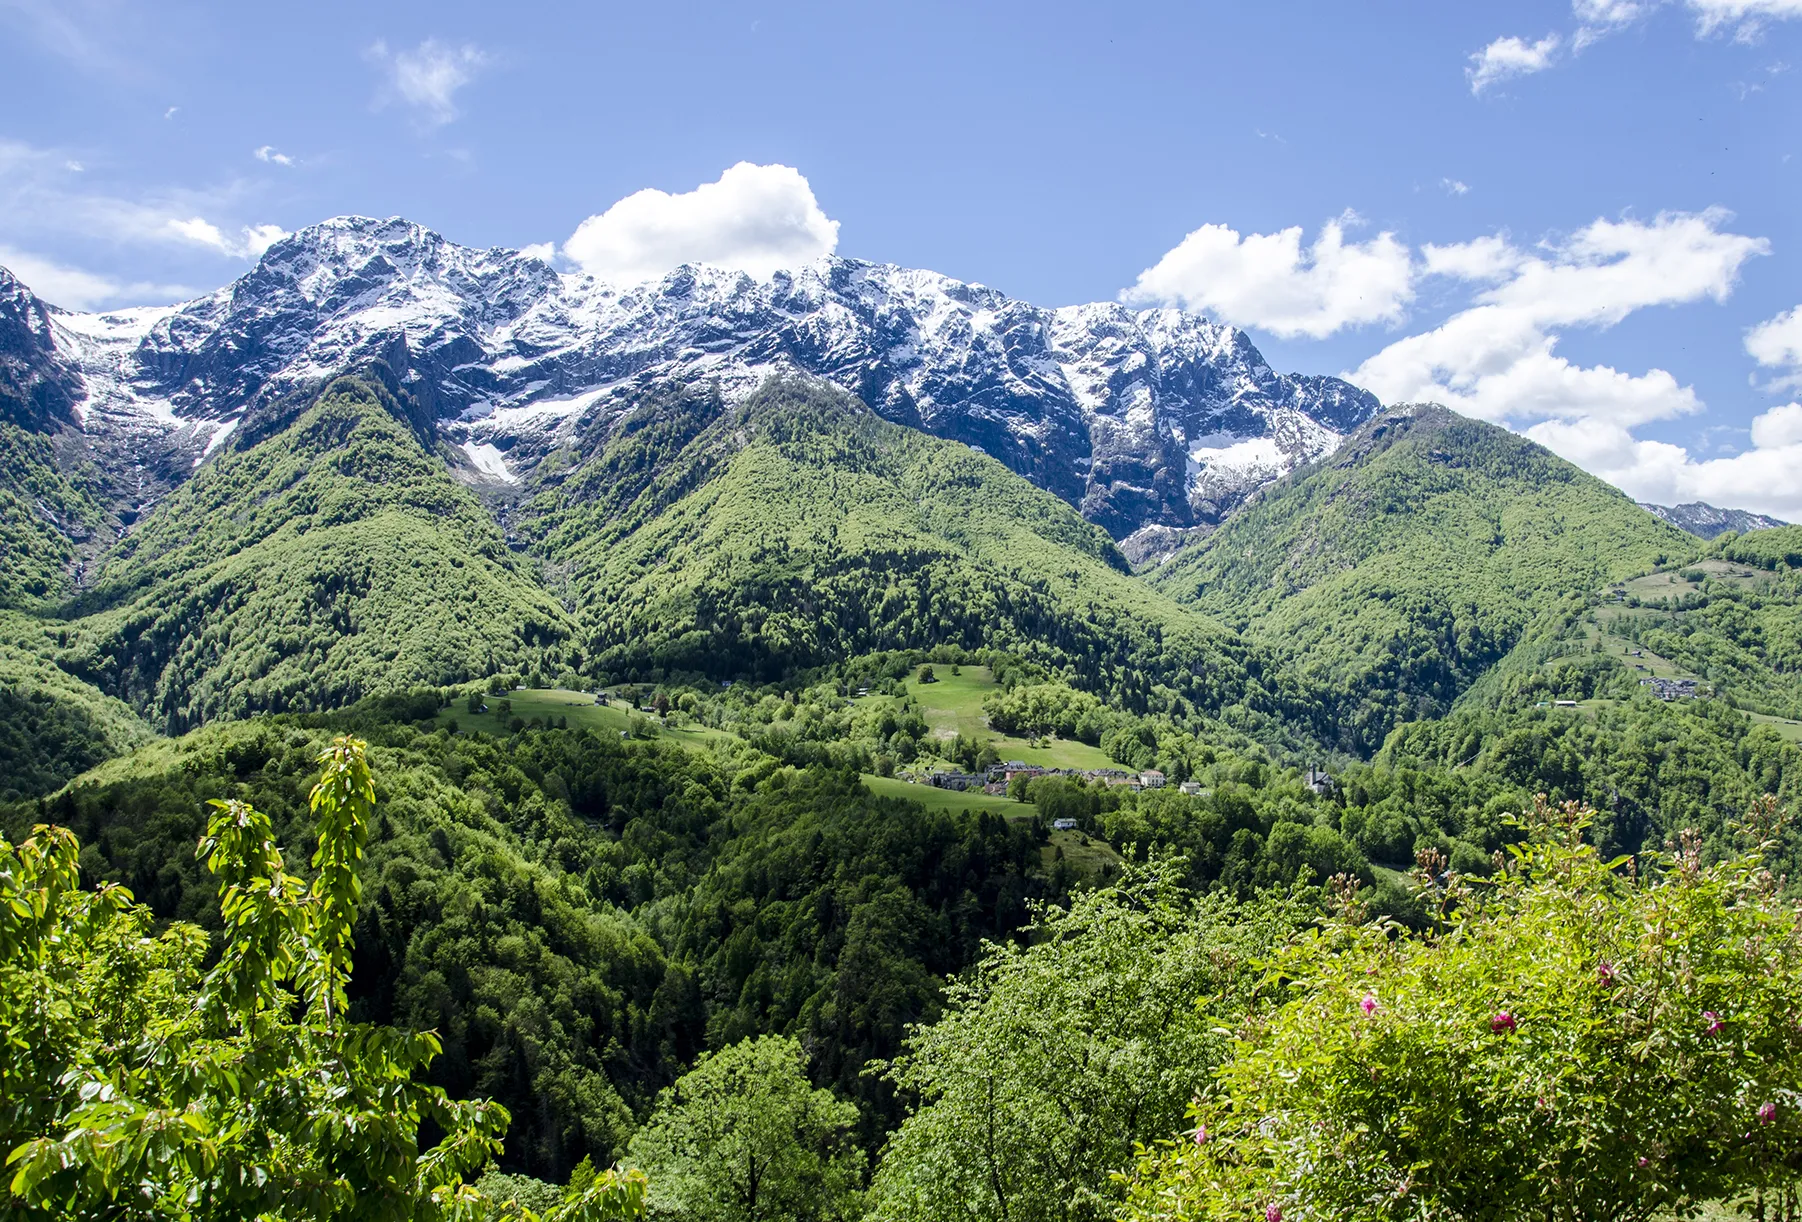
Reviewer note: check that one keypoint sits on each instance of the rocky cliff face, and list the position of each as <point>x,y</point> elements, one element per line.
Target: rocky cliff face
<point>1148,420</point>
<point>39,385</point>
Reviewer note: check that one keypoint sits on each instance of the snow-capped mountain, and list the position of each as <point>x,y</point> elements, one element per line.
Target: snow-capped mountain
<point>1708,521</point>
<point>1142,418</point>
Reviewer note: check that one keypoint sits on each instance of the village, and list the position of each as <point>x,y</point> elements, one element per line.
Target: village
<point>998,778</point>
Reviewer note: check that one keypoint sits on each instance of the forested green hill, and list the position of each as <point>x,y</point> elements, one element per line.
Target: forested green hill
<point>52,725</point>
<point>1394,573</point>
<point>53,511</point>
<point>43,510</point>
<point>802,528</point>
<point>332,557</point>
<point>1730,623</point>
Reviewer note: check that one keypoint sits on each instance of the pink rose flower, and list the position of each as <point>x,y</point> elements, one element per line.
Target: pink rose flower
<point>1369,1004</point>
<point>1503,1021</point>
<point>1200,1135</point>
<point>1273,1212</point>
<point>1767,1112</point>
<point>1715,1025</point>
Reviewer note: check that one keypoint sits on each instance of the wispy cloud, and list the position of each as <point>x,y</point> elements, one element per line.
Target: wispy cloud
<point>1776,343</point>
<point>1595,20</point>
<point>75,289</point>
<point>1509,57</point>
<point>427,78</point>
<point>248,243</point>
<point>83,33</point>
<point>45,204</point>
<point>268,153</point>
<point>1745,19</point>
<point>1454,186</point>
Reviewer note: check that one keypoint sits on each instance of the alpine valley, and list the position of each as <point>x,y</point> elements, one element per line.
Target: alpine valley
<point>850,682</point>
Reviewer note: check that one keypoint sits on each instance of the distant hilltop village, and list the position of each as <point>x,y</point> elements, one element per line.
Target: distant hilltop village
<point>997,778</point>
<point>1673,689</point>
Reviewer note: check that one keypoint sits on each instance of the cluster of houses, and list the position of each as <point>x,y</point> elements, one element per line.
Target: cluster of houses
<point>997,778</point>
<point>1672,689</point>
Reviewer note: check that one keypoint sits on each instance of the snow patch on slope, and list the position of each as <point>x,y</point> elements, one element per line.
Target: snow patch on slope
<point>489,461</point>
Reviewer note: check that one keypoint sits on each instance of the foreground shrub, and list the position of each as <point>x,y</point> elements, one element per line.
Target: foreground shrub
<point>1579,1039</point>
<point>744,1137</point>
<point>136,1083</point>
<point>1053,1058</point>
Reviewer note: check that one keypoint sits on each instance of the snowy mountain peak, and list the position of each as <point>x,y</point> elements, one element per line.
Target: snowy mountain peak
<point>1708,521</point>
<point>1139,417</point>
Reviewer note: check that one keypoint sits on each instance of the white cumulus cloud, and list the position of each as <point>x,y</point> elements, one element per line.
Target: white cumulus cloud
<point>1776,343</point>
<point>1762,479</point>
<point>1496,359</point>
<point>1781,426</point>
<point>428,77</point>
<point>540,250</point>
<point>258,238</point>
<point>1608,269</point>
<point>1510,57</point>
<point>1270,281</point>
<point>757,219</point>
<point>269,154</point>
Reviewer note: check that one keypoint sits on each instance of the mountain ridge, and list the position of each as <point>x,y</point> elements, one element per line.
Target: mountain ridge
<point>1707,521</point>
<point>1137,417</point>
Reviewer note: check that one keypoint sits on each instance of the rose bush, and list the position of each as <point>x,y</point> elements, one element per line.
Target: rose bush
<point>1574,1039</point>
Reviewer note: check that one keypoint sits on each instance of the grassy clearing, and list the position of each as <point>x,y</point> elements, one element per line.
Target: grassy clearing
<point>1646,665</point>
<point>1738,574</point>
<point>946,799</point>
<point>953,705</point>
<point>581,710</point>
<point>1087,856</point>
<point>1786,726</point>
<point>1670,583</point>
<point>1055,753</point>
<point>1655,586</point>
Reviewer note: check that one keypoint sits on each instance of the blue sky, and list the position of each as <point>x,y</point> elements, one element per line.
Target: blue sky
<point>1579,219</point>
